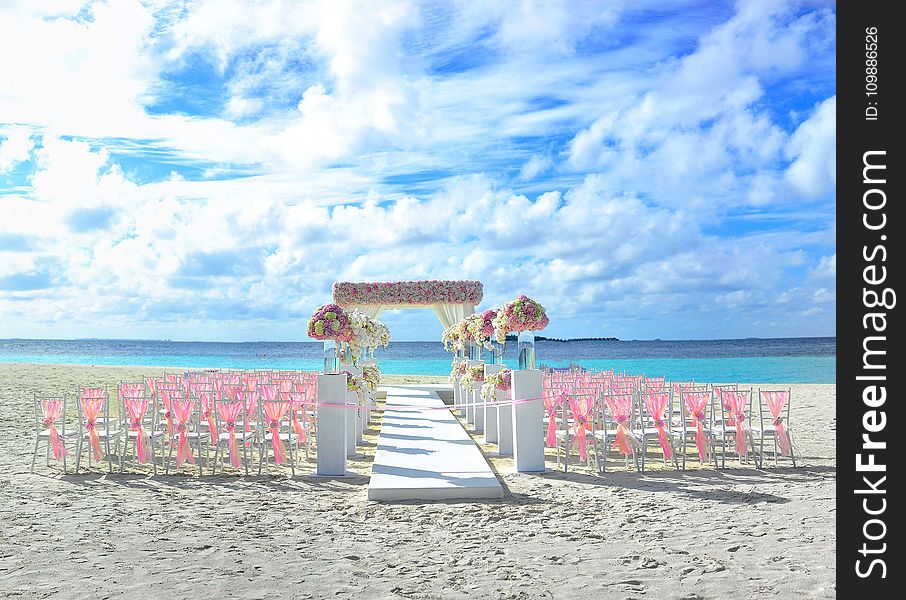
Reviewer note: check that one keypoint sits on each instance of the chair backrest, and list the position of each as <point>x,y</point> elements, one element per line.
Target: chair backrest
<point>93,405</point>
<point>774,398</point>
<point>50,410</point>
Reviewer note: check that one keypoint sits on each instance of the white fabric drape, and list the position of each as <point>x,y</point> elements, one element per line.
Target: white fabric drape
<point>370,310</point>
<point>448,314</point>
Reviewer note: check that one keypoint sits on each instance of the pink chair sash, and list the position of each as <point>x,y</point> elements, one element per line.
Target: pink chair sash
<point>695,404</point>
<point>736,402</point>
<point>581,407</point>
<point>51,410</point>
<point>136,409</point>
<point>274,412</point>
<point>207,413</point>
<point>91,408</point>
<point>166,399</point>
<point>552,403</point>
<point>251,403</point>
<point>183,410</point>
<point>656,404</point>
<point>295,403</point>
<point>776,401</point>
<point>229,412</point>
<point>620,406</point>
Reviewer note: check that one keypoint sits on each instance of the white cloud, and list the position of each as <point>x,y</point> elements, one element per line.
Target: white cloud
<point>814,146</point>
<point>16,144</point>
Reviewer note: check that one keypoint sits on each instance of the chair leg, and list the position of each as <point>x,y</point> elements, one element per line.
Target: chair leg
<point>789,439</point>
<point>34,456</point>
<point>78,454</point>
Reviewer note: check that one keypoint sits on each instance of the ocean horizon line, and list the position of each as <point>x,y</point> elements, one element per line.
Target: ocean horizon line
<point>312,341</point>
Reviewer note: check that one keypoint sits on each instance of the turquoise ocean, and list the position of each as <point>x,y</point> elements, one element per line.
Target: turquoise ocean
<point>778,360</point>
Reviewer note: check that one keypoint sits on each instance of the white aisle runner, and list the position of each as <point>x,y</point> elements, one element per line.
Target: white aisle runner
<point>426,454</point>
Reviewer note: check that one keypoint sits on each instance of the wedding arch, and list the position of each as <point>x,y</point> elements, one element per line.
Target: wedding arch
<point>452,301</point>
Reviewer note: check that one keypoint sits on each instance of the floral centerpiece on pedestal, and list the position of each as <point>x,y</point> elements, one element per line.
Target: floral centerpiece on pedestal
<point>501,380</point>
<point>330,322</point>
<point>481,328</point>
<point>357,384</point>
<point>456,337</point>
<point>368,334</point>
<point>522,314</point>
<point>459,369</point>
<point>372,376</point>
<point>473,375</point>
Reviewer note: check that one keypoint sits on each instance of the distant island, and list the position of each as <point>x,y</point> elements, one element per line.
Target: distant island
<point>511,338</point>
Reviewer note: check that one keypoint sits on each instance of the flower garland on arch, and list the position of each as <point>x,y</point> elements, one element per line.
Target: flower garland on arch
<point>403,293</point>
<point>501,380</point>
<point>522,314</point>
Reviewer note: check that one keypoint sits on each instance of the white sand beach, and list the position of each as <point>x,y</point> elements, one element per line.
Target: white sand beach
<point>703,533</point>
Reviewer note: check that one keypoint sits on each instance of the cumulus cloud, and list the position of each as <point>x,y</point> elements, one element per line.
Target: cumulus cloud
<point>640,187</point>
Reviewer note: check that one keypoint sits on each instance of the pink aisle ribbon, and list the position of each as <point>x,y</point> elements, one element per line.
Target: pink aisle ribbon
<point>620,406</point>
<point>136,409</point>
<point>736,403</point>
<point>182,409</point>
<point>581,409</point>
<point>274,412</point>
<point>229,412</point>
<point>52,410</point>
<point>552,404</point>
<point>776,401</point>
<point>695,403</point>
<point>207,411</point>
<point>91,406</point>
<point>656,404</point>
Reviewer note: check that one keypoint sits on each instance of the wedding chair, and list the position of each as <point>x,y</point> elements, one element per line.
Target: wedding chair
<point>50,428</point>
<point>618,418</point>
<point>774,408</point>
<point>230,411</point>
<point>140,422</point>
<point>95,424</point>
<point>735,423</point>
<point>655,423</point>
<point>695,424</point>
<point>279,439</point>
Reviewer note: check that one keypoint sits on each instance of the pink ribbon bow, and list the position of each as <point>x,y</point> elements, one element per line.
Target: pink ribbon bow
<point>656,404</point>
<point>776,401</point>
<point>51,410</point>
<point>91,407</point>
<point>136,409</point>
<point>695,404</point>
<point>229,412</point>
<point>736,402</point>
<point>581,408</point>
<point>552,404</point>
<point>183,410</point>
<point>620,406</point>
<point>274,412</point>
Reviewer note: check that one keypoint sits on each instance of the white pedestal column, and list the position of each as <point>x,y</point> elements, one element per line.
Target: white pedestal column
<point>528,422</point>
<point>331,440</point>
<point>490,410</point>
<point>472,399</point>
<point>351,418</point>
<point>457,401</point>
<point>504,426</point>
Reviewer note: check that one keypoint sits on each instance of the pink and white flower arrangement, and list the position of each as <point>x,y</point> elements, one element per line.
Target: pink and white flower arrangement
<point>459,369</point>
<point>368,333</point>
<point>402,293</point>
<point>330,322</point>
<point>481,328</point>
<point>357,384</point>
<point>522,314</point>
<point>501,380</point>
<point>473,375</point>
<point>456,336</point>
<point>372,376</point>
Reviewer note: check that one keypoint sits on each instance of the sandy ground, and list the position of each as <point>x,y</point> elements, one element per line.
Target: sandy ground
<point>703,533</point>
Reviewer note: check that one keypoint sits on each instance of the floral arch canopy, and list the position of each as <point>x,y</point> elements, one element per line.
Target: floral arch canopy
<point>452,301</point>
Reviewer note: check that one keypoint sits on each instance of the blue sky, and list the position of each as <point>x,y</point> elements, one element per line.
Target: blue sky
<point>206,170</point>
